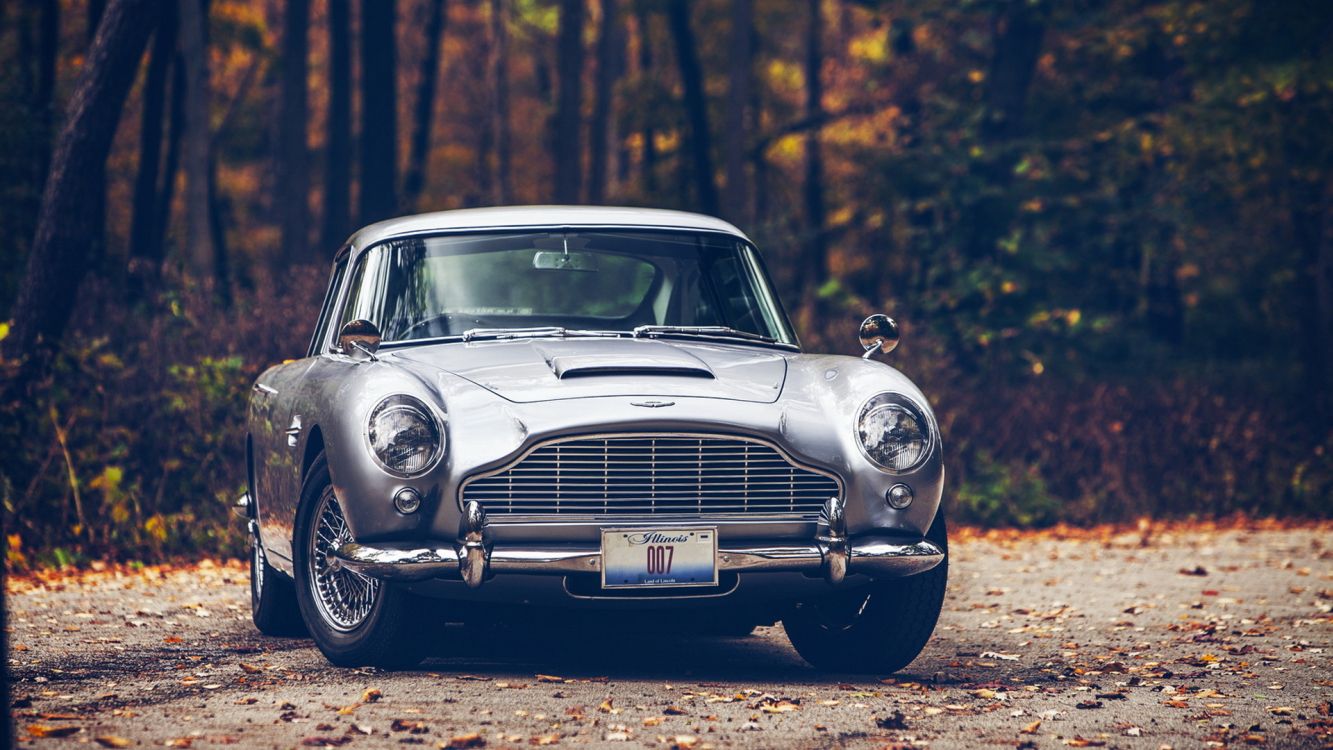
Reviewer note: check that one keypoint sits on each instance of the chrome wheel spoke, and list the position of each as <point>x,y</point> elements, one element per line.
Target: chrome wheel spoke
<point>345,598</point>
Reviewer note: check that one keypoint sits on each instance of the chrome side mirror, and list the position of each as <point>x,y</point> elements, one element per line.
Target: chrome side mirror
<point>359,337</point>
<point>879,334</point>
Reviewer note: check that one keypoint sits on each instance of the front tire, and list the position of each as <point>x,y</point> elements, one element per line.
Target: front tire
<point>272,596</point>
<point>881,627</point>
<point>355,621</point>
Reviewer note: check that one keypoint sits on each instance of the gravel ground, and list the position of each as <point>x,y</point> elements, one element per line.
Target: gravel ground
<point>1181,638</point>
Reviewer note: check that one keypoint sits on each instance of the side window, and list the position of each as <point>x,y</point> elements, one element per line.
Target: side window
<point>326,311</point>
<point>361,296</point>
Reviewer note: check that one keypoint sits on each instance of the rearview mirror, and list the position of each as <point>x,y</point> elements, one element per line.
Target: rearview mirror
<point>878,333</point>
<point>551,260</point>
<point>359,337</point>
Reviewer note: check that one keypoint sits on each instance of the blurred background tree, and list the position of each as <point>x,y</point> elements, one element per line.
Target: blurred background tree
<point>1104,224</point>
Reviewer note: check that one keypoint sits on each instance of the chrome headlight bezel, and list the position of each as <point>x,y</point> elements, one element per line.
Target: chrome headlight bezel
<point>416,408</point>
<point>897,402</point>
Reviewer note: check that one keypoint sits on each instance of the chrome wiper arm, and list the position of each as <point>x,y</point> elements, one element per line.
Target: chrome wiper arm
<point>477,334</point>
<point>714,331</point>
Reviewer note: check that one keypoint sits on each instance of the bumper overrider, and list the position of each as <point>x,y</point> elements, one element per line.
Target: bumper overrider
<point>474,558</point>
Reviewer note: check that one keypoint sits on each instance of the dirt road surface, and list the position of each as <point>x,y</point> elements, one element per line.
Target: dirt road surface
<point>1183,638</point>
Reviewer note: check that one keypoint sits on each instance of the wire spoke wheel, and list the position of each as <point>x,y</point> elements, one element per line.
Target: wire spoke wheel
<point>345,598</point>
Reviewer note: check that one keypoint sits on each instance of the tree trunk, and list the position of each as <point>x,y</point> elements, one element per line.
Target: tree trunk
<point>196,143</point>
<point>57,259</point>
<point>758,161</point>
<point>1018,35</point>
<point>44,88</point>
<point>338,167</point>
<point>598,131</point>
<point>379,111</point>
<point>218,208</point>
<point>418,162</point>
<point>696,105</point>
<point>145,256</point>
<point>738,95</point>
<point>171,167</point>
<point>1018,32</point>
<point>816,250</point>
<point>648,159</point>
<point>293,182</point>
<point>568,116</point>
<point>499,73</point>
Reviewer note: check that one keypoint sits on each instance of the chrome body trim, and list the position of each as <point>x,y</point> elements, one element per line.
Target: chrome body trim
<point>873,556</point>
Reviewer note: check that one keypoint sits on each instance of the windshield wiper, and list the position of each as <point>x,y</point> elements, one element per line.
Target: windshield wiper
<point>718,332</point>
<point>479,334</point>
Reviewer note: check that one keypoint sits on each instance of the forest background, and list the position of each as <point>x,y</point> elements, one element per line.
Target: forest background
<point>1106,226</point>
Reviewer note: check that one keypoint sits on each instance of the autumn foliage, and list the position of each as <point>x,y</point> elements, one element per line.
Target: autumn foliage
<point>1104,225</point>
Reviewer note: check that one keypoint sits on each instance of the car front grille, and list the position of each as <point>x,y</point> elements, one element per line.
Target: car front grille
<point>654,476</point>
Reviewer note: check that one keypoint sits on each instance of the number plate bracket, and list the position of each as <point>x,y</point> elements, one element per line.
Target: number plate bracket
<point>659,557</point>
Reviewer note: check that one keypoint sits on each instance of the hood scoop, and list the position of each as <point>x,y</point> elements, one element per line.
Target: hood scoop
<point>655,363</point>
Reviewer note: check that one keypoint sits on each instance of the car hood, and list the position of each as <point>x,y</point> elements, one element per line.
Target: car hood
<point>531,370</point>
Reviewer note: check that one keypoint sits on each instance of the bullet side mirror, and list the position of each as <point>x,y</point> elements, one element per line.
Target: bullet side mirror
<point>359,338</point>
<point>879,334</point>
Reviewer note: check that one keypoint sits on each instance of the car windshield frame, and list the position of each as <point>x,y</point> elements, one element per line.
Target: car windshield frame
<point>775,316</point>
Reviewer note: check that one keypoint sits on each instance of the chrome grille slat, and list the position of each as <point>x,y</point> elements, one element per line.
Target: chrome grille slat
<point>636,475</point>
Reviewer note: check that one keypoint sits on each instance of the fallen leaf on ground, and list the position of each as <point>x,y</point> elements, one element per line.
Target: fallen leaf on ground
<point>41,730</point>
<point>371,695</point>
<point>1031,728</point>
<point>111,740</point>
<point>471,739</point>
<point>325,741</point>
<point>408,725</point>
<point>894,721</point>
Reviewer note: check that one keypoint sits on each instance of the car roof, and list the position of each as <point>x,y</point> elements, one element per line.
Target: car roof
<point>505,217</point>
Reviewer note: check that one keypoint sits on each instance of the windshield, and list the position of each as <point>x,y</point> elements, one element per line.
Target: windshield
<point>580,281</point>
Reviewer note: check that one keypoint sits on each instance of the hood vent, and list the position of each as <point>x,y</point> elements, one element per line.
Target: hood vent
<point>628,369</point>
<point>642,362</point>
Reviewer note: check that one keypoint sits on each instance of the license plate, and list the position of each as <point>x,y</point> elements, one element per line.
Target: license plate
<point>633,558</point>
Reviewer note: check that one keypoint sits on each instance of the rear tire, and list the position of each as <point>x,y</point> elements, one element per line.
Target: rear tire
<point>355,621</point>
<point>272,597</point>
<point>880,627</point>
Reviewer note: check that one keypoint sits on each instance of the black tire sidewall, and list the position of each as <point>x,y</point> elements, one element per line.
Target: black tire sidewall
<point>890,632</point>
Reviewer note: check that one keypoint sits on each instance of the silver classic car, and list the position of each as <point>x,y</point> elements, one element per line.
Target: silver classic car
<point>586,408</point>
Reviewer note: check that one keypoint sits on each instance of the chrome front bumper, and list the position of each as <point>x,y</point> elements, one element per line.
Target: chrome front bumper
<point>831,553</point>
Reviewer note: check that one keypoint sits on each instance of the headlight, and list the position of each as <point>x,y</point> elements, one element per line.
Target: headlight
<point>893,435</point>
<point>404,436</point>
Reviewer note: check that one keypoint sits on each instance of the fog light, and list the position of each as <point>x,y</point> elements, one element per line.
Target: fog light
<point>407,500</point>
<point>899,496</point>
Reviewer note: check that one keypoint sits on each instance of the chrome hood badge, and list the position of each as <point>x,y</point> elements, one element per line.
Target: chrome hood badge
<point>652,404</point>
